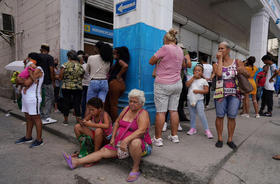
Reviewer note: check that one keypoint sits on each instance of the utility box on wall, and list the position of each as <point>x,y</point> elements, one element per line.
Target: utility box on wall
<point>6,23</point>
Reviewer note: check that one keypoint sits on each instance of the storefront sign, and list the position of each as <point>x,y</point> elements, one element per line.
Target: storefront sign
<point>125,7</point>
<point>99,31</point>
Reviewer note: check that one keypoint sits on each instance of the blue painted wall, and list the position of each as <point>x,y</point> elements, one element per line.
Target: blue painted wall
<point>142,41</point>
<point>63,56</point>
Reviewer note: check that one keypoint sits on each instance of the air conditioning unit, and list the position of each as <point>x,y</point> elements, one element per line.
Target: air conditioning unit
<point>6,23</point>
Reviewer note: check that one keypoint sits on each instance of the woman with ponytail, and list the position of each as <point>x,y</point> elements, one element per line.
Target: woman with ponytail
<point>252,71</point>
<point>168,85</point>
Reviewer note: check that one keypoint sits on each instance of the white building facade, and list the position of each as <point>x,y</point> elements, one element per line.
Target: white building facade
<point>79,24</point>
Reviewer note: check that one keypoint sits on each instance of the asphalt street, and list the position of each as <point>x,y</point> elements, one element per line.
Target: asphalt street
<point>45,164</point>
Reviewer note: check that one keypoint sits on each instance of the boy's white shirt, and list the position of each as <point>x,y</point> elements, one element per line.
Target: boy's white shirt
<point>270,85</point>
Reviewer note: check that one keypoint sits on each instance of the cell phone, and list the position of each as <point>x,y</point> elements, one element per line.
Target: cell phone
<point>109,137</point>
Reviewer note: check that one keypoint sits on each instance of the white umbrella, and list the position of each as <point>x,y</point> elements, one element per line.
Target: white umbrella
<point>15,66</point>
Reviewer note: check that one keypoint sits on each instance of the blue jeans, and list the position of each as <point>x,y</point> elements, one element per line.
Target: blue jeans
<point>97,88</point>
<point>198,109</point>
<point>228,105</point>
<point>259,93</point>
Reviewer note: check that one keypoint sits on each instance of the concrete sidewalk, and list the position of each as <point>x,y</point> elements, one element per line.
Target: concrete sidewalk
<point>194,160</point>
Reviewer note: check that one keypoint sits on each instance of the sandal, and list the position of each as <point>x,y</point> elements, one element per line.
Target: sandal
<point>133,176</point>
<point>68,160</point>
<point>276,157</point>
<point>219,144</point>
<point>232,145</point>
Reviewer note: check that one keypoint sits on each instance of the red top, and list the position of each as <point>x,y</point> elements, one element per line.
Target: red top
<point>261,76</point>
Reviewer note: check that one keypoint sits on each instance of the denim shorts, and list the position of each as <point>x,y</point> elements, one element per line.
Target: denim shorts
<point>228,105</point>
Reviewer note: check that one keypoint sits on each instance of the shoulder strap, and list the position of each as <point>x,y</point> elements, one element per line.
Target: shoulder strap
<point>136,117</point>
<point>125,130</point>
<point>236,62</point>
<point>130,123</point>
<point>102,116</point>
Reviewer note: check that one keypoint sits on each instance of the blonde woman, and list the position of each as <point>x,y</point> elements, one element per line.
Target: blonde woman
<point>168,85</point>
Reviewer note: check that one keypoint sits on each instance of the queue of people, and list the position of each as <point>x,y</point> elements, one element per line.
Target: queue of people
<point>92,86</point>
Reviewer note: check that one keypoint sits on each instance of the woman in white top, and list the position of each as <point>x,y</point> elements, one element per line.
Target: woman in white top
<point>208,75</point>
<point>98,67</point>
<point>31,101</point>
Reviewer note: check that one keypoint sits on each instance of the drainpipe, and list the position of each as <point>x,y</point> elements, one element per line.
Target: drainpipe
<point>82,19</point>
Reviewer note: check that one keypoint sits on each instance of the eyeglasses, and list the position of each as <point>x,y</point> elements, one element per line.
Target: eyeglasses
<point>133,102</point>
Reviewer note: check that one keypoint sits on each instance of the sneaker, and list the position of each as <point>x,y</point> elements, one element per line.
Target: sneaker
<point>268,114</point>
<point>208,134</point>
<point>45,121</point>
<point>192,131</point>
<point>180,128</point>
<point>258,116</point>
<point>36,143</point>
<point>245,115</point>
<point>50,120</point>
<point>164,127</point>
<point>174,138</point>
<point>157,142</point>
<point>23,140</point>
<point>65,123</point>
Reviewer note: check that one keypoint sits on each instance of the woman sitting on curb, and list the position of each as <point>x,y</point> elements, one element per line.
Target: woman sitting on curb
<point>98,119</point>
<point>131,130</point>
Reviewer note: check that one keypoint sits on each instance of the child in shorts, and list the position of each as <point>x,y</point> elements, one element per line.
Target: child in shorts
<point>97,124</point>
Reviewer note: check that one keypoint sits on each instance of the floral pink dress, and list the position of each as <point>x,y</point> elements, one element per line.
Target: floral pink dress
<point>146,140</point>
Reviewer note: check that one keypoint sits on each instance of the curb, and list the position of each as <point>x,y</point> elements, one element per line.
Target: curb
<point>148,169</point>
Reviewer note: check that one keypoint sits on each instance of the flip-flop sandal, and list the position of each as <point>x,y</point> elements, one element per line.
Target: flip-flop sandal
<point>90,164</point>
<point>276,157</point>
<point>68,160</point>
<point>136,174</point>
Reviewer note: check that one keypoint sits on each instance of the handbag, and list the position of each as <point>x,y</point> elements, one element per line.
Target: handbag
<point>244,85</point>
<point>122,154</point>
<point>87,145</point>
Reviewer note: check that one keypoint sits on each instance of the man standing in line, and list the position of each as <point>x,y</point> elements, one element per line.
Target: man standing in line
<point>47,63</point>
<point>267,97</point>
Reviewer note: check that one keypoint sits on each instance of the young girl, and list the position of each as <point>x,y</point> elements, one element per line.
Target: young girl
<point>251,69</point>
<point>27,74</point>
<point>97,119</point>
<point>198,86</point>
